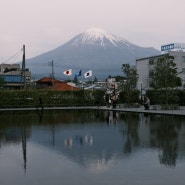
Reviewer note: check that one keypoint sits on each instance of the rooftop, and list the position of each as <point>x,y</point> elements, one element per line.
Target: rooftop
<point>58,85</point>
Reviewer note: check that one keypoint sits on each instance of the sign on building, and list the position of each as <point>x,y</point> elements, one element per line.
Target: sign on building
<point>173,46</point>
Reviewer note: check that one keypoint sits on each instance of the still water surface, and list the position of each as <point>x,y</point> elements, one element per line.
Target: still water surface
<point>88,147</point>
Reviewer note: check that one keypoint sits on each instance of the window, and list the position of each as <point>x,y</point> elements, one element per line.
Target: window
<point>151,61</point>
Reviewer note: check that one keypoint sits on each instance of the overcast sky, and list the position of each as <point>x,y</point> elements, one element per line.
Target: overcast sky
<point>43,25</point>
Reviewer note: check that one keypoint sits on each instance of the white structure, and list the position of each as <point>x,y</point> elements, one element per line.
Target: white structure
<point>145,65</point>
<point>13,75</point>
<point>173,47</point>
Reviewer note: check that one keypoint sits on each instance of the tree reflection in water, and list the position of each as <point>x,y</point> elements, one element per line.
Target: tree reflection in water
<point>164,133</point>
<point>131,132</point>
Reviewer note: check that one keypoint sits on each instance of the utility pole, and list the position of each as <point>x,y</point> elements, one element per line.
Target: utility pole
<point>52,71</point>
<point>23,69</point>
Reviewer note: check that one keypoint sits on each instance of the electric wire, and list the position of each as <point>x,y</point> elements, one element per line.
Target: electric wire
<point>13,56</point>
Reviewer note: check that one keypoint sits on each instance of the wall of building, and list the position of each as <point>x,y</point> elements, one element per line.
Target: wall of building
<point>10,72</point>
<point>145,65</point>
<point>143,71</point>
<point>10,69</point>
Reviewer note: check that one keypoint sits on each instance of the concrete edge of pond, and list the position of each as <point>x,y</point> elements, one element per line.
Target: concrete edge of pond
<point>180,111</point>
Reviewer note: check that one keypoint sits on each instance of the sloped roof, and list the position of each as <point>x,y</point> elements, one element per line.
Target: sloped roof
<point>47,80</point>
<point>58,85</point>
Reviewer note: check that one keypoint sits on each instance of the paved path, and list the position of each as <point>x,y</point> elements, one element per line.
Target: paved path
<point>180,111</point>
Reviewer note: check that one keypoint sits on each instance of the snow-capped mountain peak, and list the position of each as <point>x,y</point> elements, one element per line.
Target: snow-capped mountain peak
<point>97,36</point>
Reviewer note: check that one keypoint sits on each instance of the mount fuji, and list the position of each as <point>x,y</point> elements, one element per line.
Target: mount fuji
<point>95,50</point>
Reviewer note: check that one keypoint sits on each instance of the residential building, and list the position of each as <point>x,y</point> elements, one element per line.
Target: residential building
<point>144,67</point>
<point>14,76</point>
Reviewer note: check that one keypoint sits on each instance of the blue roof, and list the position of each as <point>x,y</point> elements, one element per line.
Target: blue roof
<point>13,78</point>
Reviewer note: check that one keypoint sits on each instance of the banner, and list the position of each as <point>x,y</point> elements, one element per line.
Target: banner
<point>78,74</point>
<point>88,74</point>
<point>68,72</point>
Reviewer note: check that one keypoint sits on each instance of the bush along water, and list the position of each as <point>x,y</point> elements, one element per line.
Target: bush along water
<point>50,98</point>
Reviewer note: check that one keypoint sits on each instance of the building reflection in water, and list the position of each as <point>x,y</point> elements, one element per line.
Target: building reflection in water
<point>11,134</point>
<point>84,137</point>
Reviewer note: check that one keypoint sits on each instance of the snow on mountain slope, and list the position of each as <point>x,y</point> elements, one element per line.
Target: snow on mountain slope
<point>96,36</point>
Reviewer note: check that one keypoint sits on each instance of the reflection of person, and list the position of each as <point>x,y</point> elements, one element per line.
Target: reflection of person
<point>114,117</point>
<point>146,103</point>
<point>108,117</point>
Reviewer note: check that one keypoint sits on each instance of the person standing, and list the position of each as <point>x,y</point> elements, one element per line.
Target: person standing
<point>40,103</point>
<point>146,103</point>
<point>107,100</point>
<point>114,100</point>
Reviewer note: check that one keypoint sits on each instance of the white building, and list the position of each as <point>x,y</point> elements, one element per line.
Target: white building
<point>145,65</point>
<point>14,76</point>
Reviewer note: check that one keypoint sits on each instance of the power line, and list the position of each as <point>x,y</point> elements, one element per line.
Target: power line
<point>15,55</point>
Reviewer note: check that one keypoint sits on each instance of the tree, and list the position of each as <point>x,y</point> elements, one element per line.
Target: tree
<point>75,80</point>
<point>130,82</point>
<point>131,76</point>
<point>95,79</point>
<point>2,82</point>
<point>164,76</point>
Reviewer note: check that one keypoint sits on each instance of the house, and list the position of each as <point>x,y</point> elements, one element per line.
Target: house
<point>52,83</point>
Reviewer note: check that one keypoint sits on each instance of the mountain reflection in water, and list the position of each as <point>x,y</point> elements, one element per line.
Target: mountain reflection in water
<point>94,139</point>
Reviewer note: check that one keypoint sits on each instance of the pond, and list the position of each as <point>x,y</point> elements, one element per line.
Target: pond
<point>89,147</point>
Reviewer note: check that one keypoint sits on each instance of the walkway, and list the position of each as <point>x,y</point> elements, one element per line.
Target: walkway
<point>180,111</point>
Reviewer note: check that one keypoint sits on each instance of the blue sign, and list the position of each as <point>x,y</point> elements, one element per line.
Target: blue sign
<point>173,46</point>
<point>167,47</point>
